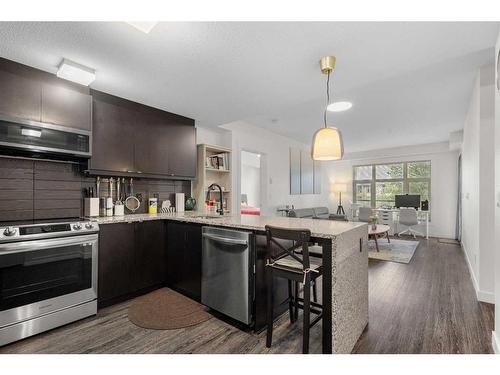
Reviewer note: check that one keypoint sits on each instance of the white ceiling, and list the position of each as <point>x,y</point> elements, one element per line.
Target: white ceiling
<point>410,82</point>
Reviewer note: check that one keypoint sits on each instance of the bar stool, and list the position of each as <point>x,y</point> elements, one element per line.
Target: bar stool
<point>296,268</point>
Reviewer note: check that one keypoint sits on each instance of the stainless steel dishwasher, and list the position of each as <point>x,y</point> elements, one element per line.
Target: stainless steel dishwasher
<point>228,272</point>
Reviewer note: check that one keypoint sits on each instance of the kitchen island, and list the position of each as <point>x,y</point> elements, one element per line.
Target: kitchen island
<point>345,253</point>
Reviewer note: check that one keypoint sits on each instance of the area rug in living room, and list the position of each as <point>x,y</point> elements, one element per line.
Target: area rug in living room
<point>400,251</point>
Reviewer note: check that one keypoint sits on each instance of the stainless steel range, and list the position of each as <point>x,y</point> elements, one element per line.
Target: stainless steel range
<point>48,276</point>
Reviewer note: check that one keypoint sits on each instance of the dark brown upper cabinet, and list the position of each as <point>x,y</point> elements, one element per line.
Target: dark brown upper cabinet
<point>182,150</point>
<point>30,94</point>
<point>19,97</point>
<point>66,107</point>
<point>152,144</point>
<point>112,137</point>
<point>131,139</point>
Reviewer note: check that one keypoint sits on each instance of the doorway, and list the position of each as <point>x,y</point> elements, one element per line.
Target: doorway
<point>251,192</point>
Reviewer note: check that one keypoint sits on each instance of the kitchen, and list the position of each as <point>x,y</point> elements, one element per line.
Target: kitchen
<point>99,184</point>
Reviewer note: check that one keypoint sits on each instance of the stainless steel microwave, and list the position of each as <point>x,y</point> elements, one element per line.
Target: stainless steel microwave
<point>33,138</point>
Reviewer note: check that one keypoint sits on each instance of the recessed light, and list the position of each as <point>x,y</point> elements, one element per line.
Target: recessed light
<point>75,72</point>
<point>145,27</point>
<point>339,106</point>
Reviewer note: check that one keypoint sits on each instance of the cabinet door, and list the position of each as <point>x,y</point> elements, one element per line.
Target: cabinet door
<point>176,241</point>
<point>184,259</point>
<point>66,107</point>
<point>116,260</point>
<point>19,97</point>
<point>182,150</point>
<point>149,268</point>
<point>112,137</point>
<point>192,260</point>
<point>152,144</point>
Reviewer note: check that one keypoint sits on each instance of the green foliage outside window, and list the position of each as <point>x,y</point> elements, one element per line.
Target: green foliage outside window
<point>376,185</point>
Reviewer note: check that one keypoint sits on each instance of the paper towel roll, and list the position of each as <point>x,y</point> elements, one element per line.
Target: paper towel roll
<point>179,202</point>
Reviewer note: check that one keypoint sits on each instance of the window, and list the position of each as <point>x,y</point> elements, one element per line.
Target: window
<point>376,185</point>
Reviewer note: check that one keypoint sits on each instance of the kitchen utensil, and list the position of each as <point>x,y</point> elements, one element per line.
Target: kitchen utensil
<point>111,182</point>
<point>118,190</point>
<point>132,203</point>
<point>91,192</point>
<point>97,186</point>
<point>190,204</point>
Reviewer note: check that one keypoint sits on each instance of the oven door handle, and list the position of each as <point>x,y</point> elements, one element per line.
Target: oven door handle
<point>36,245</point>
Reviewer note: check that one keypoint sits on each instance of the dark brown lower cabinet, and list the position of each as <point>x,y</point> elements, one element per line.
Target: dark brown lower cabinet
<point>184,258</point>
<point>149,269</point>
<point>116,260</point>
<point>131,259</point>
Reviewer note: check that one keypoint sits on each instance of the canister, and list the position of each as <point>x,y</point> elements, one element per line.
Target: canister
<point>153,205</point>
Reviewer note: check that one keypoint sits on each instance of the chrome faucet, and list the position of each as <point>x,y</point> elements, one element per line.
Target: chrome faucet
<point>210,188</point>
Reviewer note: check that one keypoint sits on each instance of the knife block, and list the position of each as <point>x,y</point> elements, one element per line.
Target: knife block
<point>91,207</point>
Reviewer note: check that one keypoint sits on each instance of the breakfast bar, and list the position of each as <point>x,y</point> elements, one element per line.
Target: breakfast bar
<point>345,253</point>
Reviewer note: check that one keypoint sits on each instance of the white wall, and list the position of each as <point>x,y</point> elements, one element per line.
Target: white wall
<point>275,164</point>
<point>444,179</point>
<point>496,334</point>
<point>478,182</point>
<point>470,183</point>
<point>216,137</point>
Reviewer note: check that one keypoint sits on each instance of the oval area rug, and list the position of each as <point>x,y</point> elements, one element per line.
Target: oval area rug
<point>166,309</point>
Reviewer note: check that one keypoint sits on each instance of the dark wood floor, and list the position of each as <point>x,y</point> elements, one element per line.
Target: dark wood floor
<point>427,306</point>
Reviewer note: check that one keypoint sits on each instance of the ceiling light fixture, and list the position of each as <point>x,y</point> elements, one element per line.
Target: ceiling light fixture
<point>143,26</point>
<point>327,142</point>
<point>75,72</point>
<point>339,106</point>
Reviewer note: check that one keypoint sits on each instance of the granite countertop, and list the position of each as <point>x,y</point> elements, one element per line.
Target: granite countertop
<point>318,228</point>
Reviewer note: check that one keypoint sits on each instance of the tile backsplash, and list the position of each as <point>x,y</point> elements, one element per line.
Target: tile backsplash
<point>34,189</point>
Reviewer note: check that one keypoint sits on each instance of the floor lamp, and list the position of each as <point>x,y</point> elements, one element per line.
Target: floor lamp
<point>340,188</point>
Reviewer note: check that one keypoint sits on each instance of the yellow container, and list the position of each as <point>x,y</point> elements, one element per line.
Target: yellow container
<point>153,205</point>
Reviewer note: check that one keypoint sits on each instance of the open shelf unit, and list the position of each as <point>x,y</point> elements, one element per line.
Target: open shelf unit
<point>208,175</point>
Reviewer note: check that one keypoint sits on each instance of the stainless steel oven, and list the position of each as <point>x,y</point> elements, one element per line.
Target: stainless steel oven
<point>48,277</point>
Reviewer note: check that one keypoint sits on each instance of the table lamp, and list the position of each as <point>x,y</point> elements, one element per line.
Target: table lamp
<point>339,188</point>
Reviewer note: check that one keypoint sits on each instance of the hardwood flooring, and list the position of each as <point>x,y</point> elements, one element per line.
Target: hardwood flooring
<point>426,306</point>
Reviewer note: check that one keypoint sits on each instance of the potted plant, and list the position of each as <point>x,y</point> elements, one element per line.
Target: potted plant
<point>374,220</point>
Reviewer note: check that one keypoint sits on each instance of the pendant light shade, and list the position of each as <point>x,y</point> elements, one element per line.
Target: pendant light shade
<point>327,144</point>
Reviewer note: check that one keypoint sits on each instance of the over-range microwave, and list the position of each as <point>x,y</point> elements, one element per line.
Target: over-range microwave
<point>20,137</point>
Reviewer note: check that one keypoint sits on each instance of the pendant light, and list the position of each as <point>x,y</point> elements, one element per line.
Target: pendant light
<point>327,142</point>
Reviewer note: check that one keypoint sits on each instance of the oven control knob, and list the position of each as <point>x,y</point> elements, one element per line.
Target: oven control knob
<point>9,231</point>
<point>89,226</point>
<point>77,226</point>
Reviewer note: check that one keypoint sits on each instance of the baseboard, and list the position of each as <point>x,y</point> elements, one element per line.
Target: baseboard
<point>447,236</point>
<point>487,297</point>
<point>482,296</point>
<point>471,271</point>
<point>495,342</point>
